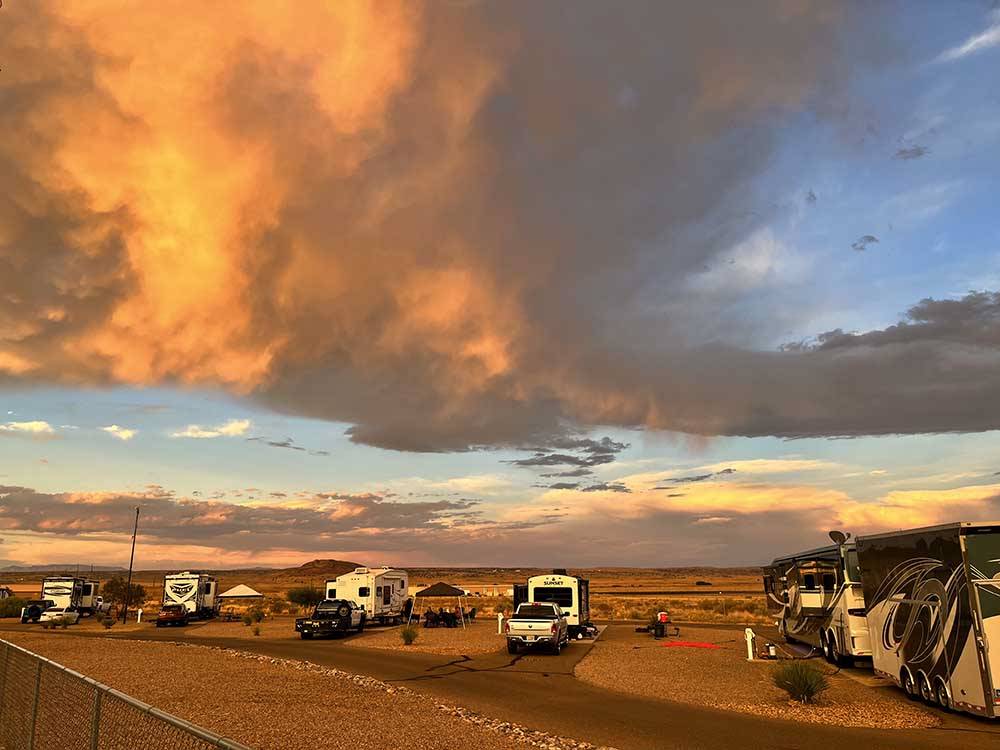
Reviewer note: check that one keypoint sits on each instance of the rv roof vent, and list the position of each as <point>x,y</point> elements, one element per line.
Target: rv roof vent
<point>559,571</point>
<point>361,570</point>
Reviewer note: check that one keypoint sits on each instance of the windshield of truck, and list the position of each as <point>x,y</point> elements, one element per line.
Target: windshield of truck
<point>561,595</point>
<point>532,612</point>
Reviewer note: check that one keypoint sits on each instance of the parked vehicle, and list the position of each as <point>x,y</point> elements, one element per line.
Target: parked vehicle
<point>382,592</point>
<point>172,614</point>
<point>536,623</point>
<point>65,591</point>
<point>91,603</point>
<point>817,599</point>
<point>196,592</point>
<point>6,593</point>
<point>60,615</point>
<point>570,593</point>
<point>332,616</point>
<point>933,608</point>
<point>35,608</point>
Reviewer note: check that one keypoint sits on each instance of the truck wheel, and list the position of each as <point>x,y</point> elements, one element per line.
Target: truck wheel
<point>344,611</point>
<point>557,647</point>
<point>511,647</point>
<point>306,636</point>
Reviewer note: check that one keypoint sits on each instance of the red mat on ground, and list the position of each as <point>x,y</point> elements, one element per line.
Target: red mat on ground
<point>689,644</point>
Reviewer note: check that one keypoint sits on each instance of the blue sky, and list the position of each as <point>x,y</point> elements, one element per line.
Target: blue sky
<point>747,211</point>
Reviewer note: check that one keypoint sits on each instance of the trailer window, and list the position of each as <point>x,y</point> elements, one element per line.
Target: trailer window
<point>829,582</point>
<point>331,593</point>
<point>853,566</point>
<point>378,591</point>
<point>561,595</point>
<point>364,591</point>
<point>808,581</point>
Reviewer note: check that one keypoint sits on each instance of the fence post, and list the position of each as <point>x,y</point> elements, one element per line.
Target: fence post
<point>95,721</point>
<point>6,676</point>
<point>34,705</point>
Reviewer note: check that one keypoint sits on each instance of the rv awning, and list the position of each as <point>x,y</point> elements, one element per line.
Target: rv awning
<point>241,592</point>
<point>441,589</point>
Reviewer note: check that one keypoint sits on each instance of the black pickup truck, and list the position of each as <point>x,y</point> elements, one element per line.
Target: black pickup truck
<point>332,616</point>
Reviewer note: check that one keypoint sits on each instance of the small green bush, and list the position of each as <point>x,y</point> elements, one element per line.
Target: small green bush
<point>12,606</point>
<point>801,680</point>
<point>409,634</point>
<point>255,630</point>
<point>247,619</point>
<point>108,623</point>
<point>257,614</point>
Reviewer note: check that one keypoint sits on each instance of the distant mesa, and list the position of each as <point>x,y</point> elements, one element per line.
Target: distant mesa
<point>326,569</point>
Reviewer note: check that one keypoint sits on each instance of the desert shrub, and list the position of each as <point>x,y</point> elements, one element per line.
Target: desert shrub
<point>257,614</point>
<point>64,622</point>
<point>255,630</point>
<point>12,606</point>
<point>247,619</point>
<point>277,606</point>
<point>114,592</point>
<point>801,680</point>
<point>47,624</point>
<point>107,622</point>
<point>409,634</point>
<point>305,596</point>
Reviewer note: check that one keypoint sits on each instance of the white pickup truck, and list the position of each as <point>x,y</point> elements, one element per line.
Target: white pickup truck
<point>537,622</point>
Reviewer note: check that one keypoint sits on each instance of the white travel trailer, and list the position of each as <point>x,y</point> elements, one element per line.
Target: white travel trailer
<point>817,598</point>
<point>572,594</point>
<point>383,592</point>
<point>933,599</point>
<point>64,591</point>
<point>90,600</point>
<point>197,592</point>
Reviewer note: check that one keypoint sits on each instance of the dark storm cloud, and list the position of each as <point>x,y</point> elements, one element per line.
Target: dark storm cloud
<point>588,453</point>
<point>912,152</point>
<point>606,487</point>
<point>861,244</point>
<point>581,472</point>
<point>695,478</point>
<point>287,443</point>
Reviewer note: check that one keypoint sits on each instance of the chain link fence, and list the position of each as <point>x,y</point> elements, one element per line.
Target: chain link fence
<point>45,705</point>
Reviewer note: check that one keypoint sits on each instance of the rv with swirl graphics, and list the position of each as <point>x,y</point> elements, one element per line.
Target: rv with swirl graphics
<point>933,610</point>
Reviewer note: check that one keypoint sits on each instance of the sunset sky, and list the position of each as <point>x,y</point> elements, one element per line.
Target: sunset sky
<point>472,283</point>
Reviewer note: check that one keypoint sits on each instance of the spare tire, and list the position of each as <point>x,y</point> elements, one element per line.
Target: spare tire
<point>344,610</point>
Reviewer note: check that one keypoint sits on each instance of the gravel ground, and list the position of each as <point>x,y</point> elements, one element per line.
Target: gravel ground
<point>723,678</point>
<point>248,698</point>
<point>477,638</point>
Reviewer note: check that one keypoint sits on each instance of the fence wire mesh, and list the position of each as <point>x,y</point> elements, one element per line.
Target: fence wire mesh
<point>45,705</point>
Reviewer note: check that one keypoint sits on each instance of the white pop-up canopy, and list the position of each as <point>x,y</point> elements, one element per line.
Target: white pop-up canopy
<point>241,592</point>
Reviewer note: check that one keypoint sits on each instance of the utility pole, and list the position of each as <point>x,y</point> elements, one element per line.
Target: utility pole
<point>128,586</point>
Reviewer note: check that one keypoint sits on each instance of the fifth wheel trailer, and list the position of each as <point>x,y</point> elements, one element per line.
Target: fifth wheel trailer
<point>933,611</point>
<point>381,591</point>
<point>197,592</point>
<point>572,594</point>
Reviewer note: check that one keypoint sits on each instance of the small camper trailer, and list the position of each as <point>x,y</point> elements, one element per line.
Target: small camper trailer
<point>197,592</point>
<point>383,592</point>
<point>64,591</point>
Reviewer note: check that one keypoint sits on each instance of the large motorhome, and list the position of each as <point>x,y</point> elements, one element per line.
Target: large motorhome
<point>197,592</point>
<point>933,597</point>
<point>817,599</point>
<point>381,591</point>
<point>572,594</point>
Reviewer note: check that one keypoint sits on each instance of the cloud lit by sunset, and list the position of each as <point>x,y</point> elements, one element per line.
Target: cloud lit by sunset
<point>435,282</point>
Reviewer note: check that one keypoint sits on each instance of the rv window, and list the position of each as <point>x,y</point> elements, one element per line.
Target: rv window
<point>364,591</point>
<point>808,581</point>
<point>378,591</point>
<point>87,589</point>
<point>331,593</point>
<point>853,568</point>
<point>829,582</point>
<point>561,595</point>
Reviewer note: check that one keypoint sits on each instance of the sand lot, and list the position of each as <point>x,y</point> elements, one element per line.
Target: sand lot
<point>248,698</point>
<point>722,678</point>
<point>476,638</point>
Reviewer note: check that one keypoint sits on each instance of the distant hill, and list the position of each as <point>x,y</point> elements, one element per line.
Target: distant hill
<point>316,569</point>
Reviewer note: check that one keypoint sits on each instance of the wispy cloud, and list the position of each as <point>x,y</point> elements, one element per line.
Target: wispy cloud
<point>36,429</point>
<point>978,42</point>
<point>232,428</point>
<point>122,433</point>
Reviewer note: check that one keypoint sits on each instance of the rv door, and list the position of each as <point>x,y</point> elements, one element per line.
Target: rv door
<point>983,555</point>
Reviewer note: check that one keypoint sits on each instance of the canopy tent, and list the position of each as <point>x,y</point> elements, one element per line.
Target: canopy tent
<point>241,592</point>
<point>441,590</point>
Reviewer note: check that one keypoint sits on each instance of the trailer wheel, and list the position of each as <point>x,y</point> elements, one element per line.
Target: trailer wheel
<point>825,643</point>
<point>926,692</point>
<point>908,684</point>
<point>942,696</point>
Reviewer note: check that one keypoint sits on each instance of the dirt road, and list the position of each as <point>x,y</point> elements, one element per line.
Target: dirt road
<point>541,692</point>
